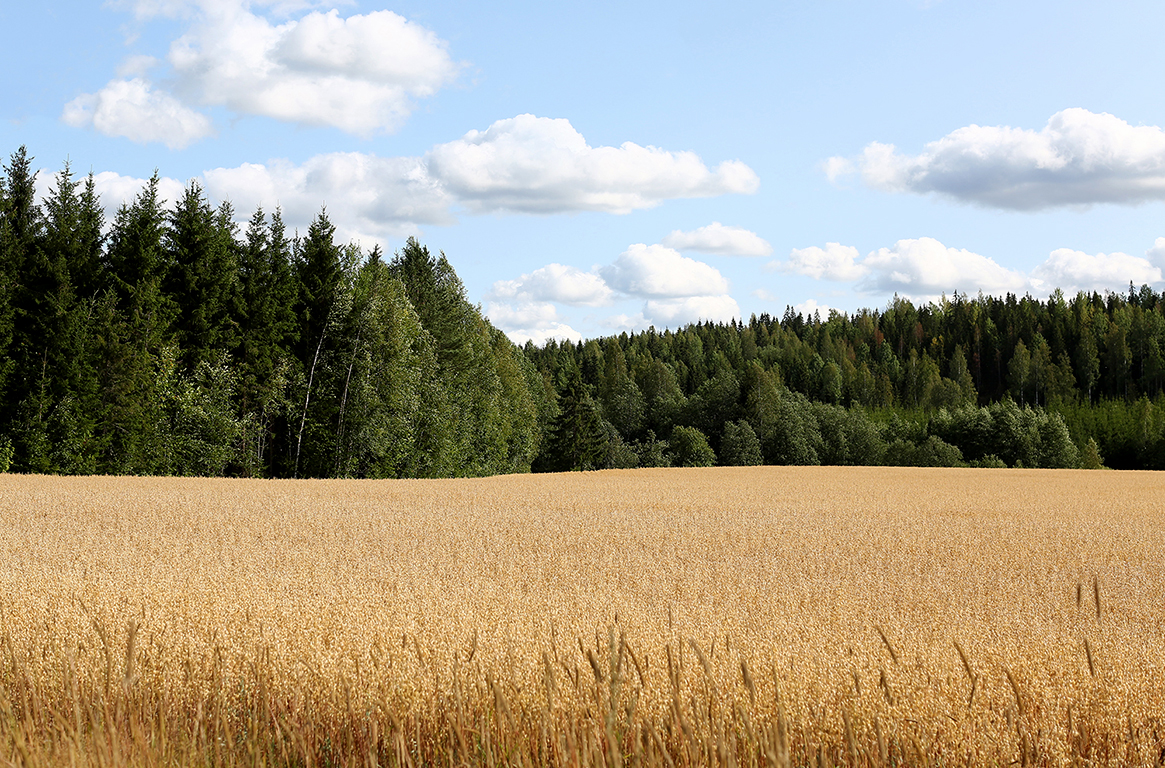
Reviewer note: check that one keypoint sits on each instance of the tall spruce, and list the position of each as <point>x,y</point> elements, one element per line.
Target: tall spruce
<point>202,280</point>
<point>134,340</point>
<point>22,276</point>
<point>577,440</point>
<point>268,332</point>
<point>320,274</point>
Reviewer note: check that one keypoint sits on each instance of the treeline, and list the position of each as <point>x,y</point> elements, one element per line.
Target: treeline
<point>987,381</point>
<point>170,342</point>
<point>174,341</point>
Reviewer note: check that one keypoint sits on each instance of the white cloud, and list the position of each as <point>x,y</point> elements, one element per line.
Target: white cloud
<point>811,307</point>
<point>925,268</point>
<point>540,165</point>
<point>691,309</point>
<point>836,167</point>
<point>116,190</point>
<point>133,109</point>
<point>1156,254</point>
<point>556,282</point>
<point>367,197</point>
<point>719,239</point>
<point>113,190</point>
<point>675,290</point>
<point>1073,271</point>
<point>655,271</point>
<point>833,262</point>
<point>624,322</point>
<point>764,294</point>
<point>530,321</point>
<point>370,197</point>
<point>359,74</point>
<point>1078,158</point>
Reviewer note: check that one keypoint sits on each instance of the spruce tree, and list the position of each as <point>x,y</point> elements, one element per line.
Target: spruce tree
<point>21,276</point>
<point>577,440</point>
<point>320,275</point>
<point>267,332</point>
<point>202,280</point>
<point>133,341</point>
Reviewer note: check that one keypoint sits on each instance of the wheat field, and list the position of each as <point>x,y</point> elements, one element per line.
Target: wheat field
<point>731,617</point>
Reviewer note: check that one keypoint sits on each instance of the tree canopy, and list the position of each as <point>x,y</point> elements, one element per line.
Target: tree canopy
<point>172,340</point>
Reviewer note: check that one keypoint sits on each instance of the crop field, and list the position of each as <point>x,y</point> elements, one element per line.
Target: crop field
<point>763,617</point>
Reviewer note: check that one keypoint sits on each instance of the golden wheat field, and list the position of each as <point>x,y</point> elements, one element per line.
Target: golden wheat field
<point>739,617</point>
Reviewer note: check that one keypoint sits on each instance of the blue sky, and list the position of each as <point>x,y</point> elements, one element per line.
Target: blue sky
<point>596,167</point>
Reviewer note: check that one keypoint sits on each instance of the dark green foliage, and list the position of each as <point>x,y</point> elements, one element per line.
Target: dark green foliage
<point>203,278</point>
<point>739,446</point>
<point>176,344</point>
<point>652,452</point>
<point>999,378</point>
<point>1090,457</point>
<point>175,347</point>
<point>577,439</point>
<point>690,448</point>
<point>932,452</point>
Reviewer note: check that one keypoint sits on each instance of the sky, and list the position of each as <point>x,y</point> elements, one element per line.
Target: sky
<point>592,168</point>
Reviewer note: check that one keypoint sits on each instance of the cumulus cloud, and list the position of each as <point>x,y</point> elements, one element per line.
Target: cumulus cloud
<point>719,239</point>
<point>926,268</point>
<point>833,262</point>
<point>836,167</point>
<point>370,197</point>
<point>691,309</point>
<point>541,165</point>
<point>1073,271</point>
<point>674,290</point>
<point>367,197</point>
<point>536,321</point>
<point>556,282</point>
<point>361,74</point>
<point>656,271</point>
<point>811,307</point>
<point>134,110</point>
<point>1078,158</point>
<point>1156,254</point>
<point>116,190</point>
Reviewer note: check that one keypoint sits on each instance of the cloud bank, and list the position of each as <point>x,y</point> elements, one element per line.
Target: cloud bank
<point>1078,158</point>
<point>516,166</point>
<point>534,164</point>
<point>674,290</point>
<point>925,269</point>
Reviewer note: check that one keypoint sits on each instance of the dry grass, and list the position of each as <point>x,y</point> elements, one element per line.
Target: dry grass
<point>754,617</point>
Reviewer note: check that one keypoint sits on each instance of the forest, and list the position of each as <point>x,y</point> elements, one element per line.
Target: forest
<point>173,340</point>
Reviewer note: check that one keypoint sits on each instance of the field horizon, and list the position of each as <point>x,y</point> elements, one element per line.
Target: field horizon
<point>756,616</point>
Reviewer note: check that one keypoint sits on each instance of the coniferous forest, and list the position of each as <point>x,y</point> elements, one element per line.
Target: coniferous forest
<point>172,340</point>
